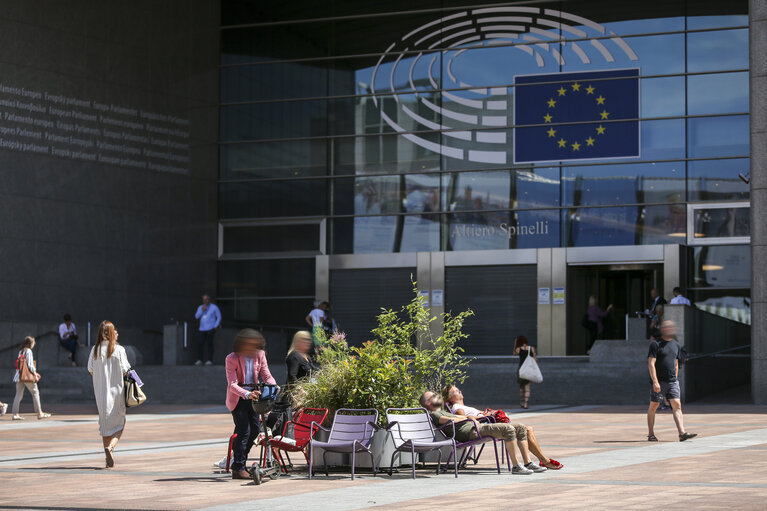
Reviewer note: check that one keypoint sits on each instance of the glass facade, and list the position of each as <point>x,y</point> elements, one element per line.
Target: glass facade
<point>397,127</point>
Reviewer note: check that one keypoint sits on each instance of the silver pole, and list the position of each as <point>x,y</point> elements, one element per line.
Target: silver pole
<point>184,334</point>
<point>89,333</point>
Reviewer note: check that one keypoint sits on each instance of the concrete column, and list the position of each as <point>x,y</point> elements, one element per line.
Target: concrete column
<point>758,109</point>
<point>322,278</point>
<point>437,283</point>
<point>559,312</point>
<point>544,311</point>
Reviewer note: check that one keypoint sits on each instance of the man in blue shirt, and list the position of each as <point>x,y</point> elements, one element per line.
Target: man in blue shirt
<point>210,319</point>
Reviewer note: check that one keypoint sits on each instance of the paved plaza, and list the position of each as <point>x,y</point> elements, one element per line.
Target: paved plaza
<point>165,458</point>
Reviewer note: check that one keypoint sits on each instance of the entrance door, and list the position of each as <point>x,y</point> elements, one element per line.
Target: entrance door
<point>625,287</point>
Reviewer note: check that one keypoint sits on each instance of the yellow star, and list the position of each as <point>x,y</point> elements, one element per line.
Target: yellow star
<point>600,100</point>
<point>576,146</point>
<point>601,130</point>
<point>589,90</point>
<point>589,141</point>
<point>604,114</point>
<point>576,86</point>
<point>561,91</point>
<point>547,118</point>
<point>551,132</point>
<point>551,103</point>
<point>562,142</point>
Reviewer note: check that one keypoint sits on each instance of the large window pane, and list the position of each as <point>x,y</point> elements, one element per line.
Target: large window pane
<point>718,136</point>
<point>643,225</point>
<point>266,278</point>
<point>272,199</point>
<point>662,97</point>
<point>718,50</point>
<point>293,158</point>
<point>273,81</point>
<point>288,313</point>
<point>624,184</point>
<point>658,54</point>
<point>717,93</point>
<point>732,222</point>
<point>502,230</point>
<point>717,180</point>
<point>726,266</point>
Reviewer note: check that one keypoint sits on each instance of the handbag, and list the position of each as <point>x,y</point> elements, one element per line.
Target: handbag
<point>530,371</point>
<point>134,396</point>
<point>25,375</point>
<point>498,415</point>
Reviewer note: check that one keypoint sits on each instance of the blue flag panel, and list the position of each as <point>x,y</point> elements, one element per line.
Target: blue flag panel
<point>576,116</point>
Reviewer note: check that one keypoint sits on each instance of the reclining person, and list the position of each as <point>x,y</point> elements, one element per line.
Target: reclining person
<point>465,430</point>
<point>453,396</point>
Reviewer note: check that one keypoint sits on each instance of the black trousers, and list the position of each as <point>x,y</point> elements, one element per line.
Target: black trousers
<point>205,345</point>
<point>247,425</point>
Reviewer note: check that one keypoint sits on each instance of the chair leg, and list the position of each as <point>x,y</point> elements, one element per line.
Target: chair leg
<point>391,463</point>
<point>508,457</point>
<point>454,454</point>
<point>354,459</point>
<point>325,462</point>
<point>439,459</point>
<point>287,455</point>
<point>310,459</point>
<point>497,463</point>
<point>412,459</point>
<point>373,462</point>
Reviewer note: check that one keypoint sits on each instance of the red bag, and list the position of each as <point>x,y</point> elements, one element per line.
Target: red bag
<point>498,415</point>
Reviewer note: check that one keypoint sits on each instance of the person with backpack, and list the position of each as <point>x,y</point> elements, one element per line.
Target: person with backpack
<point>26,377</point>
<point>663,361</point>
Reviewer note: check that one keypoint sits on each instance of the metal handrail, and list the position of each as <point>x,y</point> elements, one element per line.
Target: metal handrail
<point>37,338</point>
<point>715,353</point>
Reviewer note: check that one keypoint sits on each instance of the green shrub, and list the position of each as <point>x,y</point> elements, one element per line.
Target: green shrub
<point>394,368</point>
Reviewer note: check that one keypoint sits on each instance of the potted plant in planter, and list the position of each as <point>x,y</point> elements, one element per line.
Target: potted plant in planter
<point>391,370</point>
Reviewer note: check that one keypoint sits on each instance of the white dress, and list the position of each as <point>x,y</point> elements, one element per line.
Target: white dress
<point>108,387</point>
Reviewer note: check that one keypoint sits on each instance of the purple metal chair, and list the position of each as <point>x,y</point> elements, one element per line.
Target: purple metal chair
<point>413,431</point>
<point>470,444</point>
<point>351,432</point>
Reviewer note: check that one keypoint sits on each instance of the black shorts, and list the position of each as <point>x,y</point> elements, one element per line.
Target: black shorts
<point>668,389</point>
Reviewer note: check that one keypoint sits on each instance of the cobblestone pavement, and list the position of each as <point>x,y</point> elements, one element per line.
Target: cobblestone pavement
<point>165,461</point>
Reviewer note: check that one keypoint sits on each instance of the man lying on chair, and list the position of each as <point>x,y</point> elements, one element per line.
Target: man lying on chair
<point>453,398</point>
<point>465,430</point>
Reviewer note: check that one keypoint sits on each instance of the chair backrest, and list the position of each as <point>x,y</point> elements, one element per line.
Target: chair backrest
<point>412,424</point>
<point>307,416</point>
<point>350,424</point>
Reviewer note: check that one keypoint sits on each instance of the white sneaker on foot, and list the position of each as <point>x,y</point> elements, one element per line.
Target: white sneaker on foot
<point>221,464</point>
<point>208,363</point>
<point>18,418</point>
<point>519,470</point>
<point>535,468</point>
<point>3,408</point>
<point>198,363</point>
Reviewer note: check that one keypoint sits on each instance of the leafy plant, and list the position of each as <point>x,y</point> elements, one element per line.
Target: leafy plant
<point>393,369</point>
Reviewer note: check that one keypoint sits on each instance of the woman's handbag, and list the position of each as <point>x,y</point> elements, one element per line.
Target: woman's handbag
<point>25,375</point>
<point>530,371</point>
<point>134,396</point>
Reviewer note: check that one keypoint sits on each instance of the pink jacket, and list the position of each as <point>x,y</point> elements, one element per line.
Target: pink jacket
<point>235,371</point>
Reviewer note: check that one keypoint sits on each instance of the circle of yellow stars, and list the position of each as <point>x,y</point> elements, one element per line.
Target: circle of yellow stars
<point>575,88</point>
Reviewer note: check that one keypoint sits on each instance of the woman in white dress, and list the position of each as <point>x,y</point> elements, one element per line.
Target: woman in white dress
<point>108,364</point>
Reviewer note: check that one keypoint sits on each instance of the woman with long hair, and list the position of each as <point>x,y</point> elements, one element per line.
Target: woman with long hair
<point>25,357</point>
<point>108,365</point>
<point>299,362</point>
<point>522,349</point>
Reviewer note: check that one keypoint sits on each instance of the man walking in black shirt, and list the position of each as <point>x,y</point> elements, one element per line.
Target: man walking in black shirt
<point>663,362</point>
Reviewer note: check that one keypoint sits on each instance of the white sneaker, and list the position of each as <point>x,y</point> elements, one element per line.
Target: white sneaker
<point>18,418</point>
<point>535,468</point>
<point>198,363</point>
<point>221,464</point>
<point>519,470</point>
<point>4,409</point>
<point>208,363</point>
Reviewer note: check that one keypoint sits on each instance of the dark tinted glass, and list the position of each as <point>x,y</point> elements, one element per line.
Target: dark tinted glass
<point>640,225</point>
<point>717,180</point>
<point>280,313</point>
<point>294,158</point>
<point>718,136</point>
<point>272,199</point>
<point>722,222</point>
<point>240,239</point>
<point>266,278</point>
<point>721,266</point>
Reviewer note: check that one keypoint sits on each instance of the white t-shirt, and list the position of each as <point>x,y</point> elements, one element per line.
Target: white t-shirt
<point>680,300</point>
<point>64,330</point>
<point>467,410</point>
<point>318,316</point>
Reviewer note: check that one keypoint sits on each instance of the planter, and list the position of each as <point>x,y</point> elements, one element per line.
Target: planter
<point>334,459</point>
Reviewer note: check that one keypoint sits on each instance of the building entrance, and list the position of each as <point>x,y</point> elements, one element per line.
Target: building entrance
<point>626,287</point>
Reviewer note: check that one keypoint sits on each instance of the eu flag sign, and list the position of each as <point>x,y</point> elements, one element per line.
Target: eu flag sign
<point>576,116</point>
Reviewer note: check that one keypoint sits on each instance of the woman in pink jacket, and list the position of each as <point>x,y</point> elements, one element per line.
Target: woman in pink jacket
<point>243,367</point>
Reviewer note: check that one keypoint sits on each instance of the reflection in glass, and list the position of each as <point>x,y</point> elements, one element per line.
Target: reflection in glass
<point>643,225</point>
<point>734,304</point>
<point>662,97</point>
<point>658,54</point>
<point>623,184</point>
<point>717,93</point>
<point>717,180</point>
<point>718,136</point>
<point>722,266</point>
<point>663,140</point>
<point>722,222</point>
<point>495,230</point>
<point>295,158</point>
<point>718,50</point>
